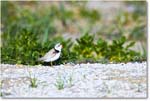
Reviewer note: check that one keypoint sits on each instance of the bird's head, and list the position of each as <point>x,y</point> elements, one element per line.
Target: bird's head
<point>58,47</point>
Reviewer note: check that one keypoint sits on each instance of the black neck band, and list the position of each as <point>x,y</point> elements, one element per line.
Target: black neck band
<point>57,51</point>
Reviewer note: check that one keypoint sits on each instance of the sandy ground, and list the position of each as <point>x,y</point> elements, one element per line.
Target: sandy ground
<point>75,81</point>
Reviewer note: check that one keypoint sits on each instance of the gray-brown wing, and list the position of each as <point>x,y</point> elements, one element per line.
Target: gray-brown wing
<point>49,54</point>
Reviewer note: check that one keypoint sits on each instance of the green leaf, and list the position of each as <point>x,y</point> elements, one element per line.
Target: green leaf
<point>130,45</point>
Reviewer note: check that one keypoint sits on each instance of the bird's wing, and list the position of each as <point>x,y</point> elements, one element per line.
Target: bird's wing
<point>49,54</point>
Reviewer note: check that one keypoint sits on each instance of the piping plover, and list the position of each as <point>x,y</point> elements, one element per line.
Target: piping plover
<point>52,55</point>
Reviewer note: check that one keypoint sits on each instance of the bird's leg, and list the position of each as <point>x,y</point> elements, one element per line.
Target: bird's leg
<point>51,63</point>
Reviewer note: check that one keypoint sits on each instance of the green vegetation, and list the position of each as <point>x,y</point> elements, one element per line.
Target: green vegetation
<point>64,81</point>
<point>1,93</point>
<point>86,48</point>
<point>70,81</point>
<point>59,83</point>
<point>23,52</point>
<point>28,34</point>
<point>26,49</point>
<point>33,82</point>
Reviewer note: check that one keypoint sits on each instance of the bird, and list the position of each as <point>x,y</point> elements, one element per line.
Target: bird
<point>52,55</point>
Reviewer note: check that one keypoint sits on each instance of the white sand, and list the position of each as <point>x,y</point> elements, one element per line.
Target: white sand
<point>79,81</point>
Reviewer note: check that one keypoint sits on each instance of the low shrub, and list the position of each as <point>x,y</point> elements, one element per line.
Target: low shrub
<point>117,51</point>
<point>25,48</point>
